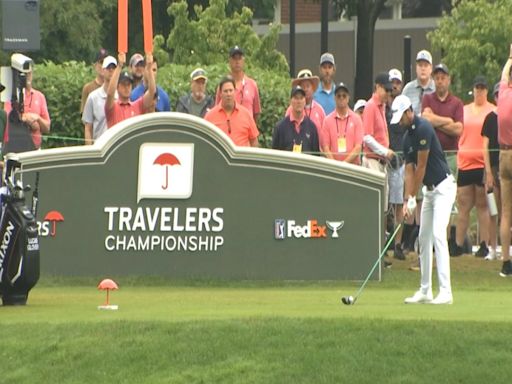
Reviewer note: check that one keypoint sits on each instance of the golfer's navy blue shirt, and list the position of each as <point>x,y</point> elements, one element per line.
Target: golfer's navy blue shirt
<point>420,136</point>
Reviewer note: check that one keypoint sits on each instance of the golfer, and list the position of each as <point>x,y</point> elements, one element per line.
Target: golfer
<point>426,164</point>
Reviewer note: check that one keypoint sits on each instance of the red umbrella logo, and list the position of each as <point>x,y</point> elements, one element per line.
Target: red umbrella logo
<point>167,160</point>
<point>53,217</point>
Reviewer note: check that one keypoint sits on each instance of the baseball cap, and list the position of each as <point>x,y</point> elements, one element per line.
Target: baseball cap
<point>496,88</point>
<point>327,58</point>
<point>480,80</point>
<point>125,76</point>
<point>425,56</point>
<point>441,68</point>
<point>235,50</point>
<point>100,55</point>
<point>109,60</point>
<point>361,103</point>
<point>297,89</point>
<point>395,74</point>
<point>136,59</point>
<point>198,73</point>
<point>341,86</point>
<point>401,104</point>
<point>383,79</point>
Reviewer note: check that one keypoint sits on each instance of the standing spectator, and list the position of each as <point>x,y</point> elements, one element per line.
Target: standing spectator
<point>98,80</point>
<point>470,164</point>
<point>492,166</point>
<point>137,65</point>
<point>376,138</point>
<point>505,140</point>
<point>309,83</point>
<point>163,104</point>
<point>426,164</point>
<point>93,117</point>
<point>296,132</point>
<point>423,84</point>
<point>246,89</point>
<point>343,130</point>
<point>396,164</point>
<point>35,116</point>
<point>233,119</point>
<point>359,106</point>
<point>324,95</point>
<point>123,108</point>
<point>197,102</point>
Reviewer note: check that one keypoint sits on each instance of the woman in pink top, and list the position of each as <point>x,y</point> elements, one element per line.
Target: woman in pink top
<point>470,162</point>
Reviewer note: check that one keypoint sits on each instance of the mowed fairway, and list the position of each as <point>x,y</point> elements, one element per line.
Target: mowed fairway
<point>261,332</point>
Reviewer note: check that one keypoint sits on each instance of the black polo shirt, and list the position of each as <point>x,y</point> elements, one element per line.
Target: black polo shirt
<point>490,129</point>
<point>285,136</point>
<point>422,137</point>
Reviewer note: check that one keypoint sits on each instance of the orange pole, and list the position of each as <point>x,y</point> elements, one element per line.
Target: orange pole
<point>147,22</point>
<point>122,26</point>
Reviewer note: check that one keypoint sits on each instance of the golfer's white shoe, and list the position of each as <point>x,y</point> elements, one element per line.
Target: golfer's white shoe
<point>419,298</point>
<point>443,298</point>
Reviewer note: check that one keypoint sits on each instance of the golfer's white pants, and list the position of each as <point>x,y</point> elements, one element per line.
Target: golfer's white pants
<point>435,215</point>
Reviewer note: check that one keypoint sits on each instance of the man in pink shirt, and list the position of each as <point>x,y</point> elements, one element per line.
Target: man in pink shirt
<point>343,130</point>
<point>123,108</point>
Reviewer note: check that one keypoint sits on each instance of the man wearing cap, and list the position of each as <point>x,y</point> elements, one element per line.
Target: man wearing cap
<point>296,132</point>
<point>343,130</point>
<point>197,102</point>
<point>98,80</point>
<point>246,89</point>
<point>423,84</point>
<point>312,109</point>
<point>233,119</point>
<point>137,66</point>
<point>505,142</point>
<point>376,138</point>
<point>123,108</point>
<point>163,104</point>
<point>324,95</point>
<point>426,164</point>
<point>359,106</point>
<point>93,117</point>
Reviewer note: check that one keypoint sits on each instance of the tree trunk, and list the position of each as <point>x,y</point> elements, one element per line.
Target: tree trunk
<point>367,13</point>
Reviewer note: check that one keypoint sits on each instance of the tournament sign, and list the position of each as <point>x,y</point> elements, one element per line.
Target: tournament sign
<point>169,194</point>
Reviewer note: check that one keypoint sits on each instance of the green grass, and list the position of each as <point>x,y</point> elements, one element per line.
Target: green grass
<point>260,332</point>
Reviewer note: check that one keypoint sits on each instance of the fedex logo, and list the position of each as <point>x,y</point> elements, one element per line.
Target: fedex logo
<point>288,228</point>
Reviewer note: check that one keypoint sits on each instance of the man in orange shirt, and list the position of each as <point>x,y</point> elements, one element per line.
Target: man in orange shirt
<point>343,130</point>
<point>232,118</point>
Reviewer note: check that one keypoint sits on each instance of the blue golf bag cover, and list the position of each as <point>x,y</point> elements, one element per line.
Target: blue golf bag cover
<point>19,251</point>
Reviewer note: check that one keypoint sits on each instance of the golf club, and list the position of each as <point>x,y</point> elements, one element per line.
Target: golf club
<point>351,300</point>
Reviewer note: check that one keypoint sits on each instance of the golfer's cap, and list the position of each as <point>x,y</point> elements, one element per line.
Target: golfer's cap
<point>236,50</point>
<point>383,80</point>
<point>361,103</point>
<point>100,55</point>
<point>109,60</point>
<point>401,104</point>
<point>125,76</point>
<point>425,56</point>
<point>136,59</point>
<point>297,89</point>
<point>496,88</point>
<point>327,58</point>
<point>441,68</point>
<point>342,86</point>
<point>480,81</point>
<point>198,73</point>
<point>395,74</point>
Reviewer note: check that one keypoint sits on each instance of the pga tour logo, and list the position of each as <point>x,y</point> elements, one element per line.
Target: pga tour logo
<point>165,171</point>
<point>288,228</point>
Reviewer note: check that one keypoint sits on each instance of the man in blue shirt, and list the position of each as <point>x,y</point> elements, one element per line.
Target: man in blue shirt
<point>324,95</point>
<point>163,103</point>
<point>425,163</point>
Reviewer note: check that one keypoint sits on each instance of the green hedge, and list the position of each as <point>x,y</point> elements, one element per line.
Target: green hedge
<point>62,86</point>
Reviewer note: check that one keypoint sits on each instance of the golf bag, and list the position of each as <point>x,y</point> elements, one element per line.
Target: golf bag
<point>19,242</point>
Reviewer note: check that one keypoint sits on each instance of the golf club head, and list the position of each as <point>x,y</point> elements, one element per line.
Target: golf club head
<point>348,300</point>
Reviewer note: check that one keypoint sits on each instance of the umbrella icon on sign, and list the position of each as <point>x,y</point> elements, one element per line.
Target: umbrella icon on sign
<point>53,217</point>
<point>166,159</point>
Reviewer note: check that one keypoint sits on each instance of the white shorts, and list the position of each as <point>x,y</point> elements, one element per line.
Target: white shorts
<point>396,185</point>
